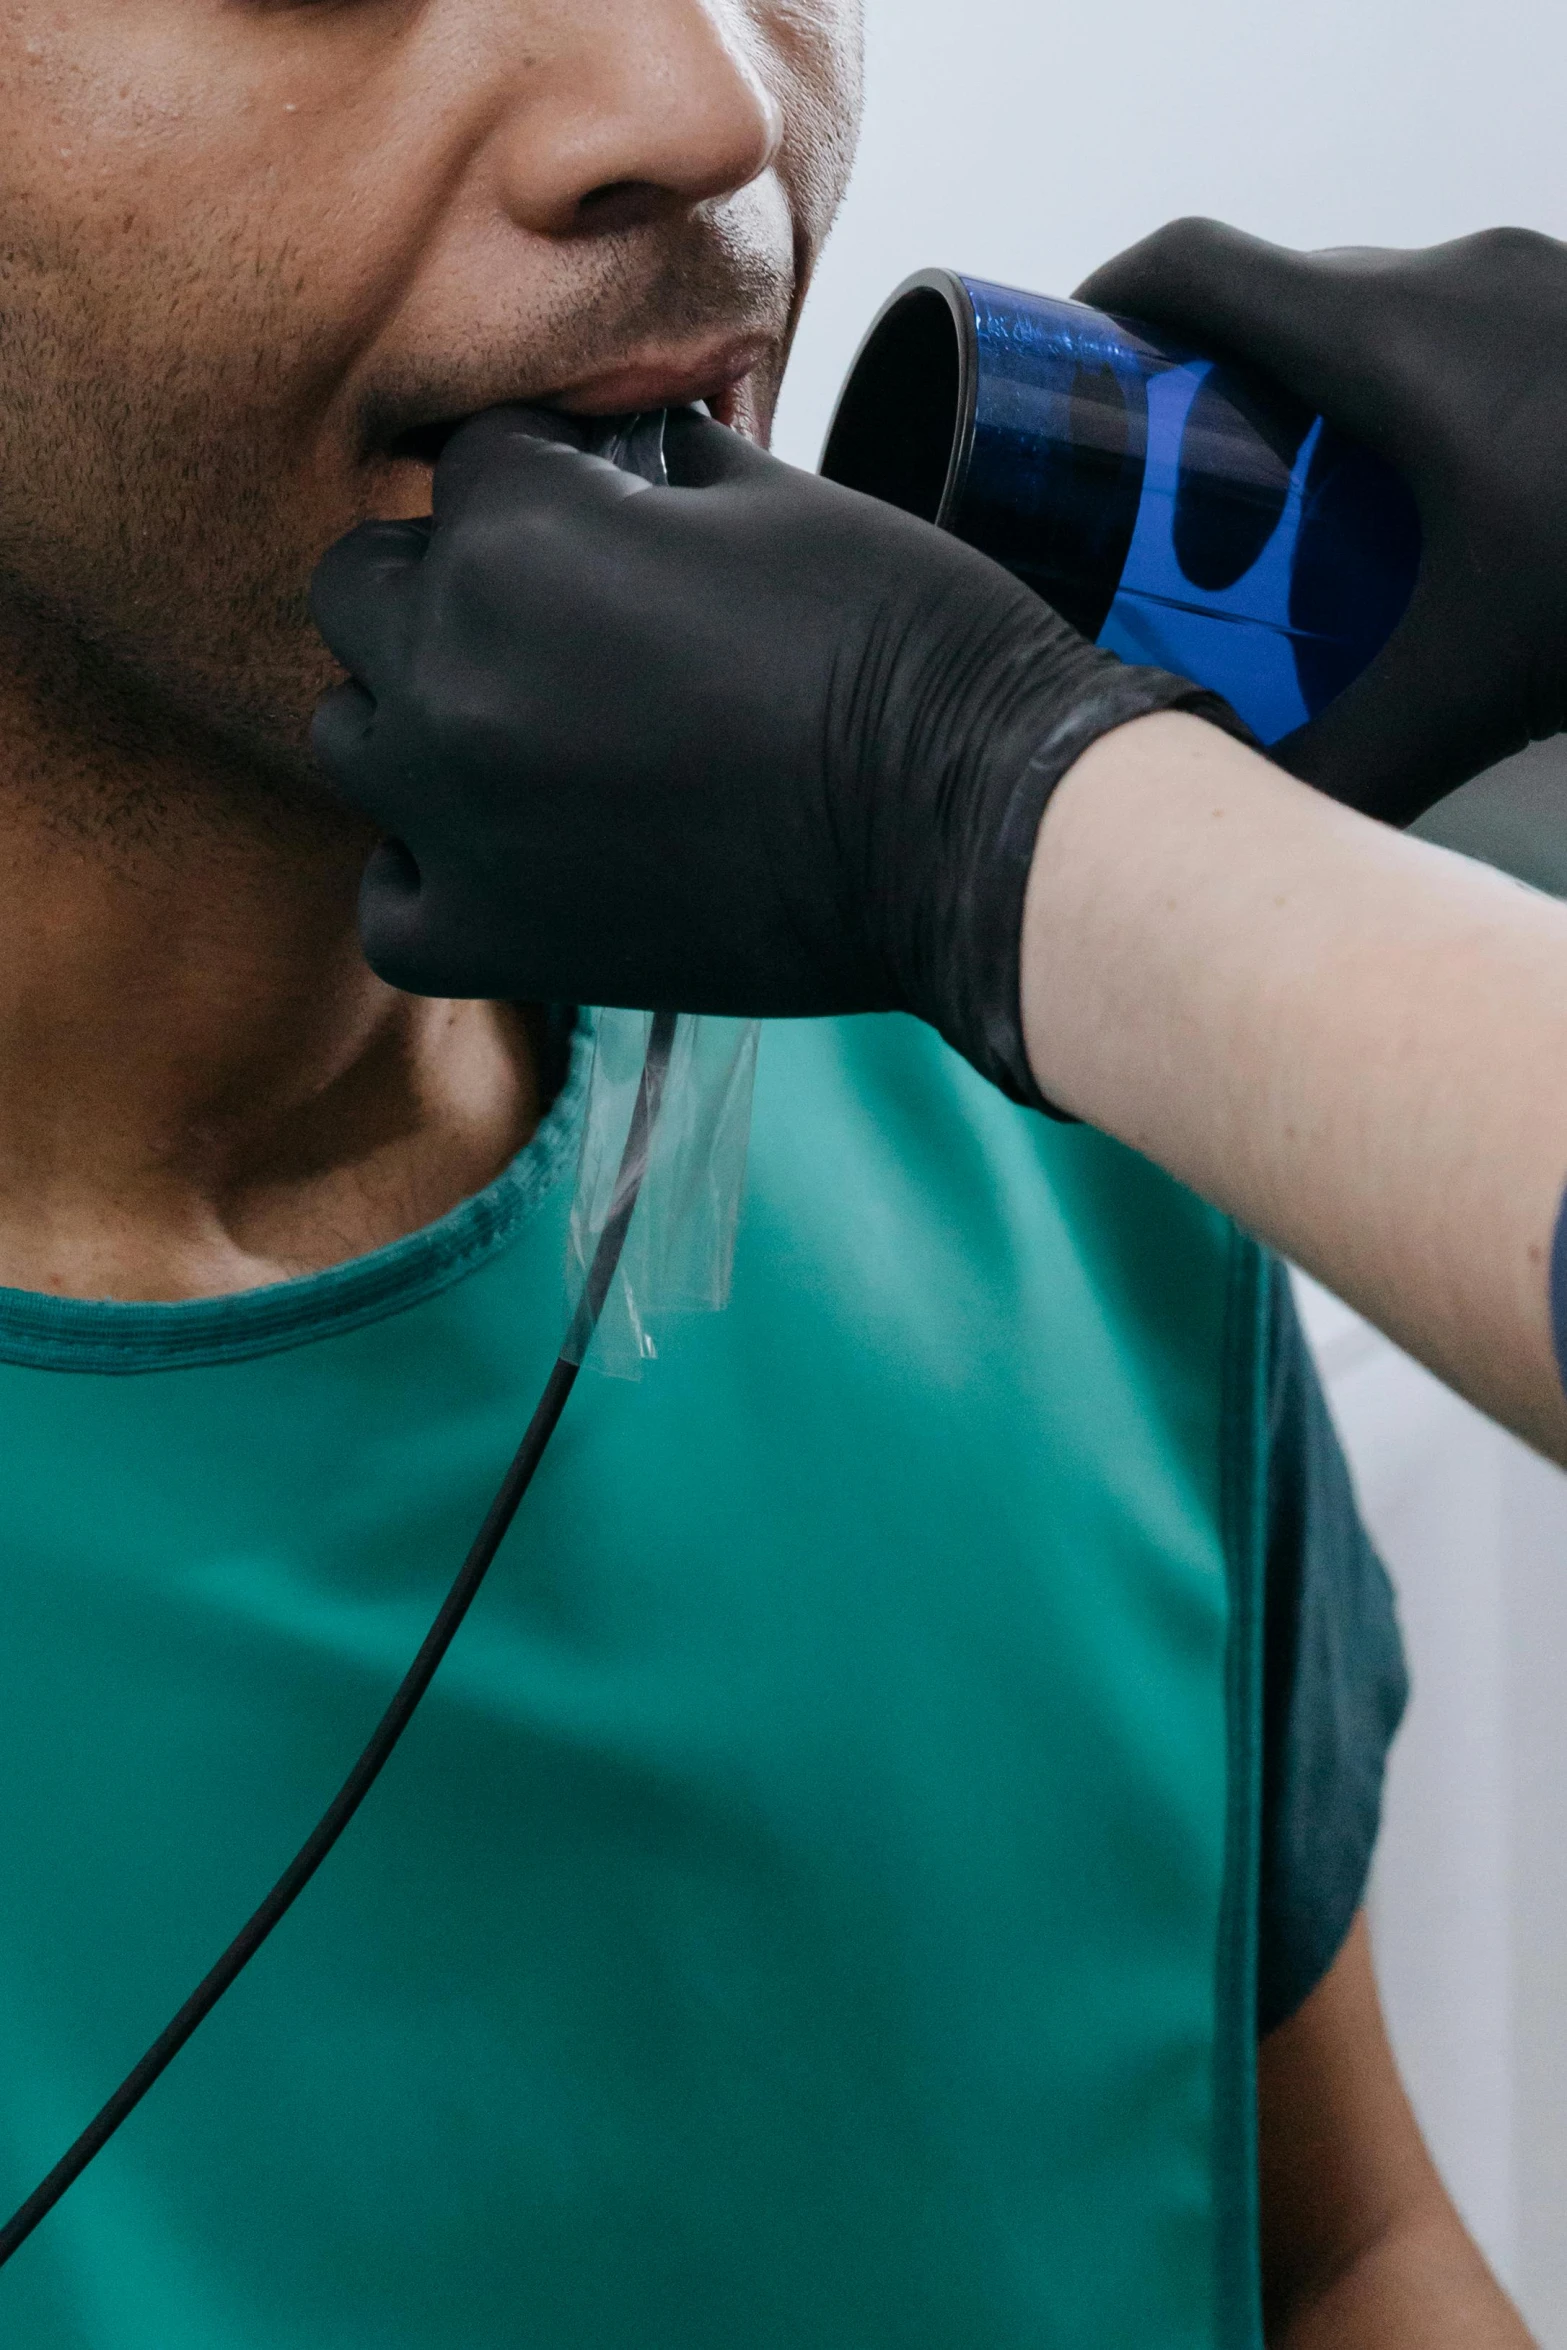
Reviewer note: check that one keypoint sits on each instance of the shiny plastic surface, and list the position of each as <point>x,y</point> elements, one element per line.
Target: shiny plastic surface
<point>687,1178</point>
<point>1184,513</point>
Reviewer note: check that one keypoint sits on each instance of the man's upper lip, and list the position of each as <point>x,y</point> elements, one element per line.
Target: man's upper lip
<point>657,380</point>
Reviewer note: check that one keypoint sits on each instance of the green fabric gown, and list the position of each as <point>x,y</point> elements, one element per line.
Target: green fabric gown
<point>815,1909</point>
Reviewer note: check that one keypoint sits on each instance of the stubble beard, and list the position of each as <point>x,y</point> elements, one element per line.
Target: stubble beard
<point>155,647</point>
<point>158,529</point>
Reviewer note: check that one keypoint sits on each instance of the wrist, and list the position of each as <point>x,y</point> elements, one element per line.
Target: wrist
<point>1116,928</point>
<point>1078,698</point>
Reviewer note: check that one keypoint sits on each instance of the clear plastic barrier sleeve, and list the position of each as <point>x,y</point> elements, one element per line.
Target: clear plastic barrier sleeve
<point>679,1252</point>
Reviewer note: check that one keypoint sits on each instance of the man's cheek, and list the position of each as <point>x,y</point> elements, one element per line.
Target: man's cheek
<point>754,402</point>
<point>820,50</point>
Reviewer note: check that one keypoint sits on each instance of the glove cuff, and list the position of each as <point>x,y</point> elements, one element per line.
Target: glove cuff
<point>982,1015</point>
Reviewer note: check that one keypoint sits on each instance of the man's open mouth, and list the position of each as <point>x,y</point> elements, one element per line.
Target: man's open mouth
<point>713,379</point>
<point>422,444</point>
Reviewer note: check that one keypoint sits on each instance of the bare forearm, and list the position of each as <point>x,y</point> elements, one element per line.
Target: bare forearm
<point>1353,1042</point>
<point>1422,2286</point>
<point>1362,2248</point>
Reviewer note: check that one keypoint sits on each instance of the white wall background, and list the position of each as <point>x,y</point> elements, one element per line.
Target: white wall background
<point>1027,140</point>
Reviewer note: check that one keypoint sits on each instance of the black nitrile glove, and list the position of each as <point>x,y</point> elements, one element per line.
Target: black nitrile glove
<point>755,744</point>
<point>1452,365</point>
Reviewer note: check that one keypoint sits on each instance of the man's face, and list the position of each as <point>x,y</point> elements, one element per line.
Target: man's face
<point>258,253</point>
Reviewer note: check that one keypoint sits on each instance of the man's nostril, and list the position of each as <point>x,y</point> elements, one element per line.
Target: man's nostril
<point>622,204</point>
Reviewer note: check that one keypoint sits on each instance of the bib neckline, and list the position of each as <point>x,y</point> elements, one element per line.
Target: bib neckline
<point>107,1336</point>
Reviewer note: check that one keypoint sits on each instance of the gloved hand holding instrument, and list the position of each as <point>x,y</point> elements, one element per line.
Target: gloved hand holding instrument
<point>752,743</point>
<point>1450,363</point>
<point>758,744</point>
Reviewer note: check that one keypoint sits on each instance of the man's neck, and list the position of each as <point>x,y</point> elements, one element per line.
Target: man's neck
<point>202,1087</point>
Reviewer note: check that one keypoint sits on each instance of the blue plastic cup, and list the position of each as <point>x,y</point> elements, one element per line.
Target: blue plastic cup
<point>1180,511</point>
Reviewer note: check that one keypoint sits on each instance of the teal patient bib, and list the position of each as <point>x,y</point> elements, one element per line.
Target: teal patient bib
<point>815,1908</point>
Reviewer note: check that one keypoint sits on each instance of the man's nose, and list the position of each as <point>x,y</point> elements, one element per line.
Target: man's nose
<point>639,108</point>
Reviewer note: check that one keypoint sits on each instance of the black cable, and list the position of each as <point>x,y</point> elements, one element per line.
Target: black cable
<point>398,1715</point>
